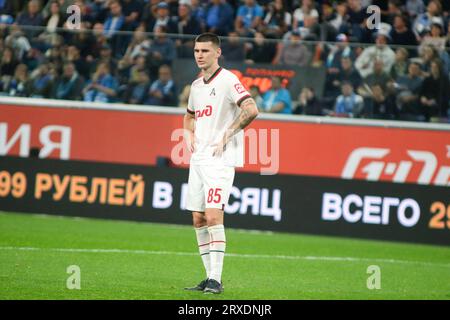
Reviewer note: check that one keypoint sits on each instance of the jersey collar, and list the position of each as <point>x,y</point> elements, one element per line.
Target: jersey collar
<point>213,76</point>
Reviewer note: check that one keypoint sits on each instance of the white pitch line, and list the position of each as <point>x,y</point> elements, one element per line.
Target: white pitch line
<point>236,255</point>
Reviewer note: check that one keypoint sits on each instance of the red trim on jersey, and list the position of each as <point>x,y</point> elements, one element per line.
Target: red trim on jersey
<point>190,111</point>
<point>242,99</point>
<point>213,76</point>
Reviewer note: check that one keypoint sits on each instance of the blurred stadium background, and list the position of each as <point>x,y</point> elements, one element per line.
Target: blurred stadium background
<point>347,166</point>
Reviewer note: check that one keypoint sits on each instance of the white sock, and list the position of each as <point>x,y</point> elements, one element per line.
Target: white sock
<point>217,251</point>
<point>203,247</point>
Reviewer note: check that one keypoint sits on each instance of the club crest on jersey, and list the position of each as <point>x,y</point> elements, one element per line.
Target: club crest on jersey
<point>213,92</point>
<point>239,88</point>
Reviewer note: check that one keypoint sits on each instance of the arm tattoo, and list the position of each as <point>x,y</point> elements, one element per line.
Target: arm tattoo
<point>244,118</point>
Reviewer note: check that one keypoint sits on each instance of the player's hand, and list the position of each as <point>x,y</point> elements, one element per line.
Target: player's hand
<point>220,147</point>
<point>190,140</point>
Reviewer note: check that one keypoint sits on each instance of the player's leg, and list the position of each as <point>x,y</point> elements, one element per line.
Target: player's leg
<point>196,203</point>
<point>203,239</point>
<point>218,182</point>
<point>216,229</point>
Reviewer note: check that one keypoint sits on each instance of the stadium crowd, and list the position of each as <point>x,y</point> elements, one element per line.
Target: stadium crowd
<point>122,51</point>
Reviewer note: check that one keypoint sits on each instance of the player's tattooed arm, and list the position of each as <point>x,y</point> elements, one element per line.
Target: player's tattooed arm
<point>249,111</point>
<point>189,127</point>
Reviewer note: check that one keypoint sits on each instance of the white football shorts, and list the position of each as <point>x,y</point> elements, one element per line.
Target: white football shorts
<point>209,187</point>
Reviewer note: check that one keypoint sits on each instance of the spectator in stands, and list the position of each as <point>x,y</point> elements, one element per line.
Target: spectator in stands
<point>62,7</point>
<point>219,17</point>
<point>162,51</point>
<point>408,87</point>
<point>305,16</point>
<point>383,104</point>
<point>132,12</point>
<point>277,20</point>
<point>115,20</point>
<point>86,14</point>
<point>378,77</point>
<point>128,75</point>
<point>248,18</point>
<point>233,49</point>
<point>162,92</point>
<point>401,34</point>
<point>106,55</point>
<point>308,103</point>
<point>348,104</point>
<point>160,18</point>
<point>427,55</point>
<point>139,64</point>
<point>356,19</point>
<point>81,65</point>
<point>256,95</point>
<point>262,51</point>
<point>100,10</point>
<point>55,57</point>
<point>31,18</point>
<point>435,37</point>
<point>198,11</point>
<point>394,10</point>
<point>277,99</point>
<point>149,16</point>
<point>324,30</point>
<point>400,67</point>
<point>113,24</point>
<point>8,63</point>
<point>52,22</point>
<point>381,51</point>
<point>139,88</point>
<point>19,86</point>
<point>434,93</point>
<point>346,73</point>
<point>424,20</point>
<point>294,52</point>
<point>414,7</point>
<point>187,25</point>
<point>17,40</point>
<point>100,41</point>
<point>84,40</point>
<point>139,45</point>
<point>339,18</point>
<point>102,87</point>
<point>70,84</point>
<point>41,85</point>
<point>338,51</point>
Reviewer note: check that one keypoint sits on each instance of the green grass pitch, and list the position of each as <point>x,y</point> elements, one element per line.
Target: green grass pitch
<point>129,260</point>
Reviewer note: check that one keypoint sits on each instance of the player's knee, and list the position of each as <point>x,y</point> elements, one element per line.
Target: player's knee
<point>213,220</point>
<point>199,220</point>
<point>199,224</point>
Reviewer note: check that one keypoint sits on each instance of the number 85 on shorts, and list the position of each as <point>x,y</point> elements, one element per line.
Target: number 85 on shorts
<point>209,187</point>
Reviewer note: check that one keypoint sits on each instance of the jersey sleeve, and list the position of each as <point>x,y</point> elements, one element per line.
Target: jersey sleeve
<point>237,92</point>
<point>190,108</point>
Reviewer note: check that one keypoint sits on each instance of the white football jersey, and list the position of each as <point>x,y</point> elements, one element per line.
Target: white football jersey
<point>215,104</point>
